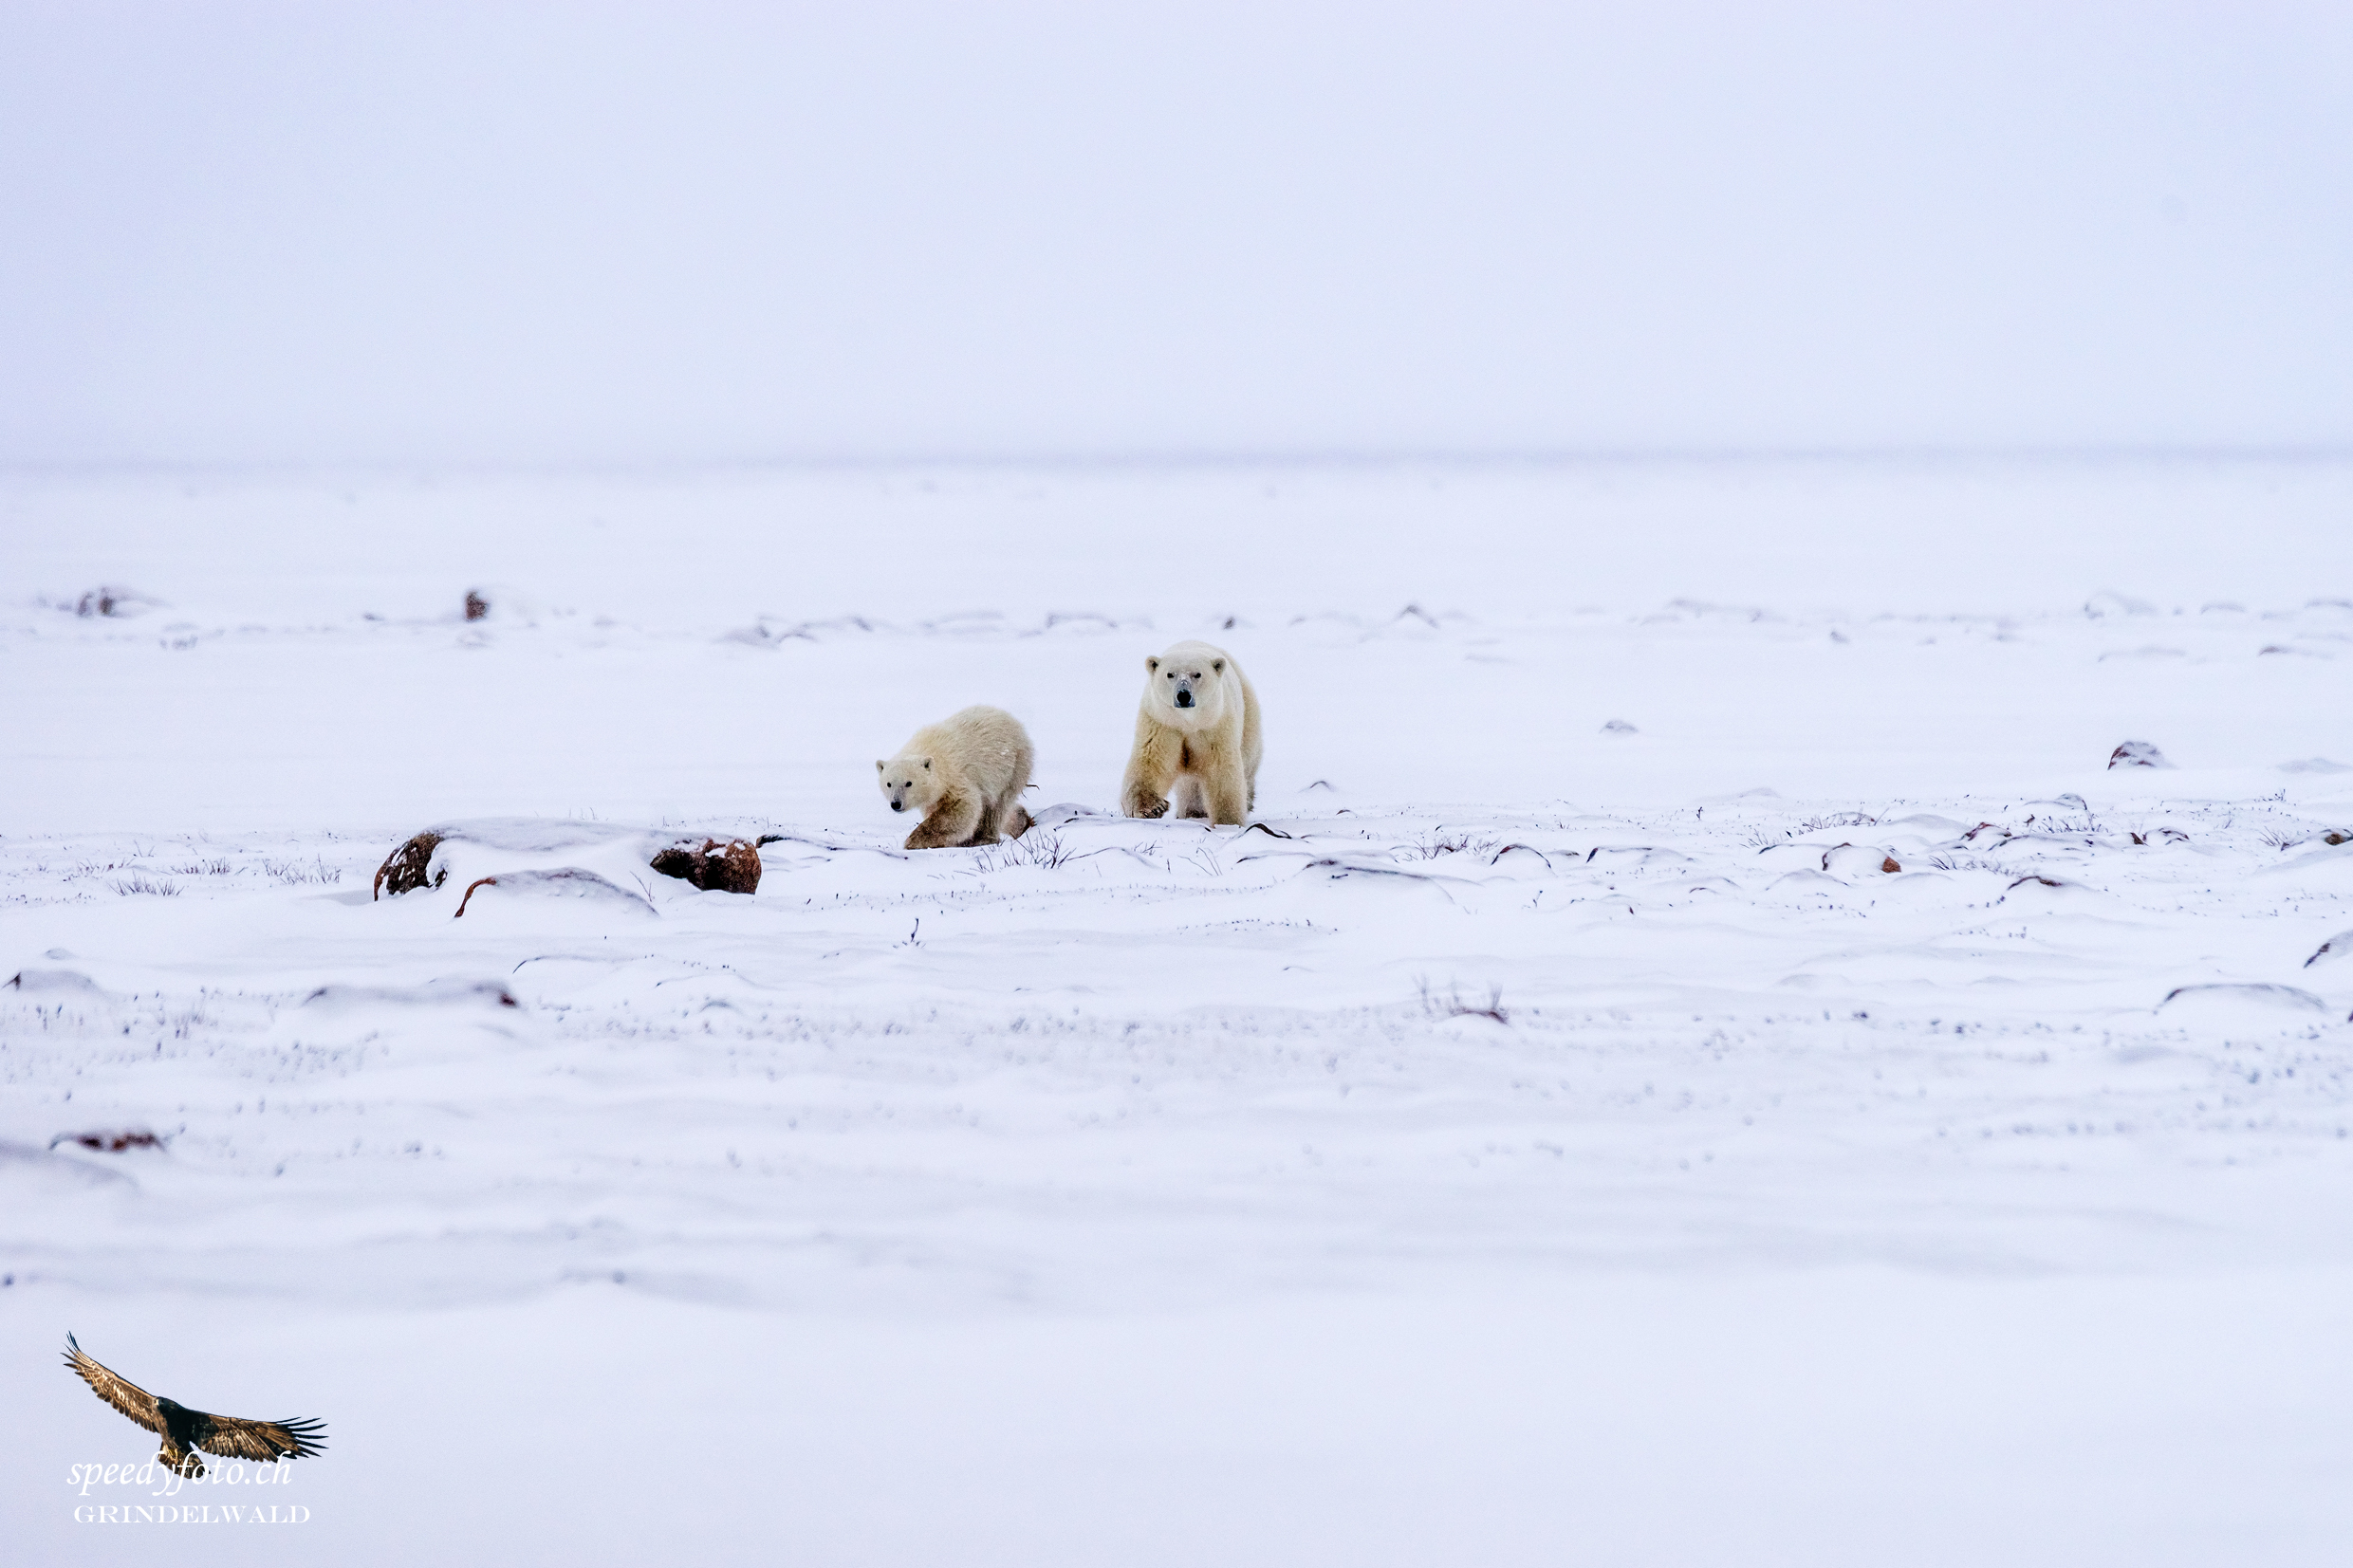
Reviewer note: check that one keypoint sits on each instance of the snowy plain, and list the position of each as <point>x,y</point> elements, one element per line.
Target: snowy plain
<point>1557,1136</point>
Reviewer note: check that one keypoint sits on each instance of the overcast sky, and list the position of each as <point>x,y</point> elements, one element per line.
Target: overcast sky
<point>483,231</point>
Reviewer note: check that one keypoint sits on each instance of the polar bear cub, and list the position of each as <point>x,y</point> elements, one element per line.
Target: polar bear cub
<point>966,775</point>
<point>1197,738</point>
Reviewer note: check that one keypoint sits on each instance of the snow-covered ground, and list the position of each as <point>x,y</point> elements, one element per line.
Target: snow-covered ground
<point>1704,1062</point>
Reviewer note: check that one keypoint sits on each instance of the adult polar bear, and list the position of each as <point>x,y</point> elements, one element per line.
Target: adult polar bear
<point>1197,738</point>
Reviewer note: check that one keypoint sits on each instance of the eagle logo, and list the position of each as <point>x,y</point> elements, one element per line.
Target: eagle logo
<point>185,1432</point>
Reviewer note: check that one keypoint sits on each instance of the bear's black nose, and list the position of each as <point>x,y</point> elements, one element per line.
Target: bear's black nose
<point>1185,698</point>
<point>898,805</point>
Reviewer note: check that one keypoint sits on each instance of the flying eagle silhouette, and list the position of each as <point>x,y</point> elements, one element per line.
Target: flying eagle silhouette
<point>185,1430</point>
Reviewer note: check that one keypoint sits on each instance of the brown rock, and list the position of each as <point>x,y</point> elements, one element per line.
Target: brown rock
<point>1891,864</point>
<point>112,1141</point>
<point>404,869</point>
<point>476,606</point>
<point>716,865</point>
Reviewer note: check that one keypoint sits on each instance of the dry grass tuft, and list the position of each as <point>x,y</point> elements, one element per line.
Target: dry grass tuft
<point>1453,1005</point>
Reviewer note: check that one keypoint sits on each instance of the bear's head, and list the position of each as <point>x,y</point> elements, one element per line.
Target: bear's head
<point>908,782</point>
<point>1186,686</point>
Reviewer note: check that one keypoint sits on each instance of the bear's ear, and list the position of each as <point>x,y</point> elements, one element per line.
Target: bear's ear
<point>1218,665</point>
<point>927,764</point>
<point>1152,664</point>
<point>879,766</point>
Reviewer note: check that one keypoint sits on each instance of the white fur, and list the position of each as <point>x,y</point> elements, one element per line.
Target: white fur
<point>1198,758</point>
<point>965,775</point>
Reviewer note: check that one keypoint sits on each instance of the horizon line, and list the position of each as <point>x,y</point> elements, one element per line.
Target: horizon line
<point>1207,460</point>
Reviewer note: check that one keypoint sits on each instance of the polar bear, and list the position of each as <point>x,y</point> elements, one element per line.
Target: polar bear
<point>1197,738</point>
<point>966,775</point>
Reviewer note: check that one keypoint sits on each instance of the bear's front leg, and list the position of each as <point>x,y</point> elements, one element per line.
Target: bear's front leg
<point>1229,798</point>
<point>1144,791</point>
<point>1151,766</point>
<point>950,822</point>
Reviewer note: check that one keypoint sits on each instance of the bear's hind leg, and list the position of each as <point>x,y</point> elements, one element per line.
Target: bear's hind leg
<point>1004,819</point>
<point>1187,798</point>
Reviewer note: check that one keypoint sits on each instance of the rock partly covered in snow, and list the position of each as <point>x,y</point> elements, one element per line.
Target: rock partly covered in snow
<point>607,853</point>
<point>560,882</point>
<point>408,868</point>
<point>111,1140</point>
<point>714,865</point>
<point>119,602</point>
